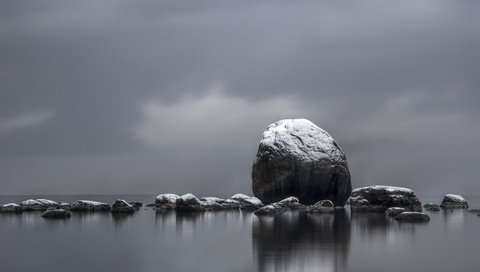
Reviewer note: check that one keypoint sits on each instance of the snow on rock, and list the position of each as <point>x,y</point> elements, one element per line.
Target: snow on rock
<point>56,214</point>
<point>122,206</point>
<point>11,208</point>
<point>38,204</point>
<point>322,206</point>
<point>166,201</point>
<point>451,201</point>
<point>379,198</point>
<point>90,206</point>
<point>188,202</point>
<point>247,202</point>
<point>296,157</point>
<point>394,211</point>
<point>270,210</point>
<point>291,203</point>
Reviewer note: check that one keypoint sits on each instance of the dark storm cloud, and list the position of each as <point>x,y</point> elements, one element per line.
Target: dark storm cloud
<point>147,96</point>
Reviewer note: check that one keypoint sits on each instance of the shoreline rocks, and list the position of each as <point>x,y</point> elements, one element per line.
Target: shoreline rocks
<point>90,206</point>
<point>297,158</point>
<point>37,204</point>
<point>451,201</point>
<point>412,217</point>
<point>247,202</point>
<point>166,201</point>
<point>378,198</point>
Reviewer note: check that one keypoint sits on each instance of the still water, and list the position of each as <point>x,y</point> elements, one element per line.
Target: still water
<point>237,241</point>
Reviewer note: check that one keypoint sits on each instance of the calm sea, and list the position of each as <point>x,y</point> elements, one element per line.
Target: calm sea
<point>236,241</point>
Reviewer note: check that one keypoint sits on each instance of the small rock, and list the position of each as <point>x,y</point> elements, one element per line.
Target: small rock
<point>270,210</point>
<point>166,201</point>
<point>451,201</point>
<point>11,208</point>
<point>322,206</point>
<point>136,204</point>
<point>413,217</point>
<point>188,202</point>
<point>247,202</point>
<point>122,206</point>
<point>64,205</point>
<point>208,204</point>
<point>431,207</point>
<point>90,206</point>
<point>292,203</point>
<point>379,198</point>
<point>57,214</point>
<point>394,211</point>
<point>231,204</point>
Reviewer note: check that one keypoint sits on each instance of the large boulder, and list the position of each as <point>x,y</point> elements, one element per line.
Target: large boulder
<point>451,201</point>
<point>379,198</point>
<point>297,158</point>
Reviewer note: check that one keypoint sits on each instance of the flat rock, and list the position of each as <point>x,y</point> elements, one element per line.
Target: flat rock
<point>322,206</point>
<point>90,206</point>
<point>451,201</point>
<point>297,158</point>
<point>38,204</point>
<point>57,214</point>
<point>431,207</point>
<point>394,211</point>
<point>11,208</point>
<point>166,201</point>
<point>379,198</point>
<point>122,206</point>
<point>412,217</point>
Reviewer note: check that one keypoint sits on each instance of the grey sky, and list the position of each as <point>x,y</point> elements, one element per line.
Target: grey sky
<point>172,96</point>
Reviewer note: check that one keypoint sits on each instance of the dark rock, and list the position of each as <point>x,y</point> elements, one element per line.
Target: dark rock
<point>11,208</point>
<point>188,203</point>
<point>270,210</point>
<point>322,206</point>
<point>231,204</point>
<point>431,207</point>
<point>64,205</point>
<point>247,202</point>
<point>394,211</point>
<point>379,198</point>
<point>208,204</point>
<point>413,217</point>
<point>136,204</point>
<point>297,158</point>
<point>90,206</point>
<point>292,203</point>
<point>37,204</point>
<point>57,214</point>
<point>122,206</point>
<point>166,201</point>
<point>451,201</point>
<point>150,205</point>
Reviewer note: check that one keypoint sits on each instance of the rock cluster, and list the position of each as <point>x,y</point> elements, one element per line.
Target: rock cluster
<point>37,204</point>
<point>379,198</point>
<point>190,202</point>
<point>297,158</point>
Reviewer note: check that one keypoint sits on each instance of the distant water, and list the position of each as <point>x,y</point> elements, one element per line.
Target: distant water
<point>236,241</point>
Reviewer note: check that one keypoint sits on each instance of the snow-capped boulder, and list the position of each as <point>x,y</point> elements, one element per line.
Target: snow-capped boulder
<point>431,207</point>
<point>11,208</point>
<point>413,217</point>
<point>451,201</point>
<point>57,214</point>
<point>209,204</point>
<point>322,206</point>
<point>394,211</point>
<point>379,198</point>
<point>166,201</point>
<point>38,204</point>
<point>247,202</point>
<point>189,202</point>
<point>231,204</point>
<point>122,206</point>
<point>291,203</point>
<point>297,158</point>
<point>270,210</point>
<point>90,206</point>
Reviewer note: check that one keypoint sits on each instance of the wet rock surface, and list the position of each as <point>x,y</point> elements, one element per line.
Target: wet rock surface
<point>297,158</point>
<point>379,198</point>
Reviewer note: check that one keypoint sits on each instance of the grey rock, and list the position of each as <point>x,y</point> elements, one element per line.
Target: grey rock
<point>394,211</point>
<point>136,204</point>
<point>431,207</point>
<point>57,214</point>
<point>297,158</point>
<point>412,217</point>
<point>292,203</point>
<point>379,198</point>
<point>247,202</point>
<point>322,206</point>
<point>64,205</point>
<point>150,205</point>
<point>38,204</point>
<point>166,201</point>
<point>270,210</point>
<point>231,204</point>
<point>189,203</point>
<point>90,206</point>
<point>211,205</point>
<point>451,201</point>
<point>122,206</point>
<point>11,208</point>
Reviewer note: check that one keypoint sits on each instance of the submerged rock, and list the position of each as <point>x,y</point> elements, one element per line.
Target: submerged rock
<point>413,217</point>
<point>247,202</point>
<point>394,211</point>
<point>90,206</point>
<point>297,158</point>
<point>38,204</point>
<point>56,214</point>
<point>431,207</point>
<point>11,208</point>
<point>188,202</point>
<point>322,206</point>
<point>166,201</point>
<point>451,201</point>
<point>379,198</point>
<point>122,206</point>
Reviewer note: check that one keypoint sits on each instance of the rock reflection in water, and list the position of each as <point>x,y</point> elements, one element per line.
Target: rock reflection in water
<point>297,241</point>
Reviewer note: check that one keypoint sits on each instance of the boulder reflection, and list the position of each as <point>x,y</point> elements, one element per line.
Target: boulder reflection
<point>297,241</point>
